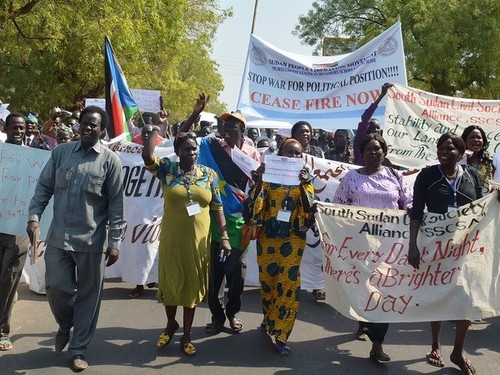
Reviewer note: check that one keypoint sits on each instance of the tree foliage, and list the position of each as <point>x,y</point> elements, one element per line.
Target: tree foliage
<point>53,50</point>
<point>452,47</point>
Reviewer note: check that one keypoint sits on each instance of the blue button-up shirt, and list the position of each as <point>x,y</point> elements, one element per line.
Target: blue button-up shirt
<point>88,198</point>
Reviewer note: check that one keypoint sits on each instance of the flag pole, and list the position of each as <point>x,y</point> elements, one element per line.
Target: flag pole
<point>254,15</point>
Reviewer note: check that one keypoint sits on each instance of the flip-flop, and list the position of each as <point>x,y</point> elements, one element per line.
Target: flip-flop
<point>434,359</point>
<point>465,366</point>
<point>136,292</point>
<point>283,349</point>
<point>188,348</point>
<point>166,337</point>
<point>319,295</point>
<point>5,345</point>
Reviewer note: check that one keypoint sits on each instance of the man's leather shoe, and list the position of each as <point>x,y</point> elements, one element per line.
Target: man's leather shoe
<point>79,363</point>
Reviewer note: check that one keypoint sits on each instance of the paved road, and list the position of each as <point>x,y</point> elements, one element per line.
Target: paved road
<point>322,342</point>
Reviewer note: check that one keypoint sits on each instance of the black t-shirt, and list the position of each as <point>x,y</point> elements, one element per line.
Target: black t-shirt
<point>432,189</point>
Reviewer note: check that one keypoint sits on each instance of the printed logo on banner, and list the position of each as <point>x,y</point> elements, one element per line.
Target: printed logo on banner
<point>388,46</point>
<point>258,56</point>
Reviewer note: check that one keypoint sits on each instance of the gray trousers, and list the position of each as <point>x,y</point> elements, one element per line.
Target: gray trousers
<point>74,282</point>
<point>13,252</point>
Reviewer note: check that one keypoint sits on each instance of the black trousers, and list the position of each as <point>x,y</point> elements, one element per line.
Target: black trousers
<point>13,252</point>
<point>375,331</point>
<point>231,269</point>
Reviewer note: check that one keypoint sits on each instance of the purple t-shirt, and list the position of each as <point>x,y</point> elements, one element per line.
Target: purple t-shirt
<point>384,189</point>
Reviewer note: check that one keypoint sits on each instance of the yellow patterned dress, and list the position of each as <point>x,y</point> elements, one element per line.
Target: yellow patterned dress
<point>280,246</point>
<point>184,256</point>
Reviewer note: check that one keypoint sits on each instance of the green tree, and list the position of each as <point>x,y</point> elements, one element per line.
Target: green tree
<point>452,47</point>
<point>53,50</point>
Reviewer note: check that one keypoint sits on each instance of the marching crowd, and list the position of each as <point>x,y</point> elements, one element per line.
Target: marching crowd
<point>84,178</point>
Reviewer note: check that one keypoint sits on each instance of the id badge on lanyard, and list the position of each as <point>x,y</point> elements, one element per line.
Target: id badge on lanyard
<point>284,215</point>
<point>193,208</point>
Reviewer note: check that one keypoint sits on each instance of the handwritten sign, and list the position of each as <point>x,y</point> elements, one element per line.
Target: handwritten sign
<point>415,119</point>
<point>147,100</point>
<point>20,168</point>
<point>368,277</point>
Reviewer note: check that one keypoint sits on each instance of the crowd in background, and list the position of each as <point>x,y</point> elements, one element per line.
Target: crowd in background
<point>278,215</point>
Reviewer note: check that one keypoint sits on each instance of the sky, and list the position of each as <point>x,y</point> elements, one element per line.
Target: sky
<point>275,21</point>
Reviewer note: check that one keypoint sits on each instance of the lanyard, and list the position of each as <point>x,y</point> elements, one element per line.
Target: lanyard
<point>456,182</point>
<point>187,183</point>
<point>285,200</point>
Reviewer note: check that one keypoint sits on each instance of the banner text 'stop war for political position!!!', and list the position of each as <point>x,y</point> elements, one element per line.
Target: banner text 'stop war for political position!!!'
<point>120,103</point>
<point>415,119</point>
<point>330,92</point>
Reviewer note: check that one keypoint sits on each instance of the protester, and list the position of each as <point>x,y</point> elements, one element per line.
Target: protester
<point>340,147</point>
<point>478,158</point>
<point>216,153</point>
<point>282,212</point>
<point>439,189</point>
<point>13,249</point>
<point>85,179</point>
<point>253,134</point>
<point>191,193</point>
<point>374,186</point>
<point>64,134</point>
<point>302,131</point>
<point>368,125</point>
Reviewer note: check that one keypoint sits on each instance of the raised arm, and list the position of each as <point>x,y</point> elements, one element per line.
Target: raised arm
<point>188,124</point>
<point>149,134</point>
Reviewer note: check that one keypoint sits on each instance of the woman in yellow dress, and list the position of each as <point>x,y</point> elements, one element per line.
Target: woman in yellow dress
<point>191,194</point>
<point>283,212</point>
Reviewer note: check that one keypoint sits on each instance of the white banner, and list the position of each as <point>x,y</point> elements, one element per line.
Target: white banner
<point>368,278</point>
<point>415,119</point>
<point>143,207</point>
<point>330,92</point>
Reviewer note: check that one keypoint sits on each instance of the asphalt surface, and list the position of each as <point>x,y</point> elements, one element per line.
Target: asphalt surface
<point>322,342</point>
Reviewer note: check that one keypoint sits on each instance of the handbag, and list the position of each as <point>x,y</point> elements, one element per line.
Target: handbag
<point>249,232</point>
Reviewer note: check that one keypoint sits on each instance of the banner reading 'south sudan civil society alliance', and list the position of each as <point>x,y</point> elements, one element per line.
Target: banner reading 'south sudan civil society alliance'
<point>367,276</point>
<point>415,119</point>
<point>330,92</point>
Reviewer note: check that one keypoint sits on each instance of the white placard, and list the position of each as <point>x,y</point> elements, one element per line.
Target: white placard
<point>282,170</point>
<point>147,100</point>
<point>98,102</point>
<point>244,162</point>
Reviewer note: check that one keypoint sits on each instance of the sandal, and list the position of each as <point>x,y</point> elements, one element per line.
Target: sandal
<point>283,349</point>
<point>465,366</point>
<point>166,337</point>
<point>187,348</point>
<point>435,359</point>
<point>235,324</point>
<point>319,295</point>
<point>136,292</point>
<point>5,345</point>
<point>380,357</point>
<point>214,328</point>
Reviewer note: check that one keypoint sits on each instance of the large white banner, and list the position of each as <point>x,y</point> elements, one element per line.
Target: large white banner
<point>368,277</point>
<point>330,92</point>
<point>415,119</point>
<point>143,208</point>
